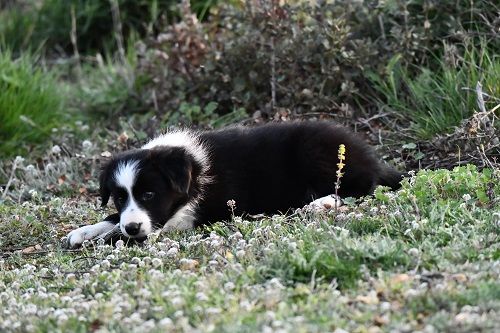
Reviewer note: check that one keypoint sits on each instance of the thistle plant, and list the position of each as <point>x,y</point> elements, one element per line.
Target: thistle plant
<point>340,166</point>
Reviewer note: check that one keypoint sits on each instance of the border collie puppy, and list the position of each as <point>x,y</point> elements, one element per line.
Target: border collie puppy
<point>184,179</point>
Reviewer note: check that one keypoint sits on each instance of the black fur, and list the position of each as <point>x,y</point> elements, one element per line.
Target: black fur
<point>278,166</point>
<point>266,169</point>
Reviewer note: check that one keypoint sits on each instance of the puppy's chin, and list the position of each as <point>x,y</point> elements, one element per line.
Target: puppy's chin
<point>141,238</point>
<point>137,238</point>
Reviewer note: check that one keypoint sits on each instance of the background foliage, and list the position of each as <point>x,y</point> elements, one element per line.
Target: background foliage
<point>409,66</point>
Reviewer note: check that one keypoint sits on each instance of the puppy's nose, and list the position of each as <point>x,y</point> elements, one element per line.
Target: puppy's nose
<point>133,228</point>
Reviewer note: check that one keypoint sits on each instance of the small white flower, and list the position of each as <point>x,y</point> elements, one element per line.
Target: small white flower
<point>86,144</point>
<point>119,244</point>
<point>147,326</point>
<point>30,168</point>
<point>56,150</point>
<point>49,167</point>
<point>466,197</point>
<point>229,285</point>
<point>61,319</point>
<point>213,311</point>
<point>172,252</point>
<point>270,315</point>
<point>201,297</point>
<point>135,260</point>
<point>33,193</point>
<point>19,160</point>
<point>71,278</point>
<point>105,264</point>
<point>156,262</point>
<point>413,252</point>
<point>166,324</point>
<point>177,302</point>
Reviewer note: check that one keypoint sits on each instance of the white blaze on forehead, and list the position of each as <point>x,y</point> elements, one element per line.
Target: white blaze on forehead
<point>126,173</point>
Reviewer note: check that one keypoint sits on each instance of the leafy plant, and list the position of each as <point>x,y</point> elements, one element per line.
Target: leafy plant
<point>302,57</point>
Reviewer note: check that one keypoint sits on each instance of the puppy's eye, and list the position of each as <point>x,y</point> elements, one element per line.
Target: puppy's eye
<point>146,196</point>
<point>121,199</point>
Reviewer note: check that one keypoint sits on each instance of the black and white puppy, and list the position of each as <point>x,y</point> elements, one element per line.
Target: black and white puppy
<point>184,179</point>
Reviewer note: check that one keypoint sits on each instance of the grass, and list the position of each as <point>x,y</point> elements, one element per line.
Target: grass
<point>46,25</point>
<point>30,103</point>
<point>431,262</point>
<point>434,102</point>
<point>107,89</point>
<point>422,259</point>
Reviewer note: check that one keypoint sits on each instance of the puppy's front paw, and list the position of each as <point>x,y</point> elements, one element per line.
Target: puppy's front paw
<point>76,237</point>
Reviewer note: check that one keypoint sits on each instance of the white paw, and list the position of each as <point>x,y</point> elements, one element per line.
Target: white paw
<point>76,238</point>
<point>326,203</point>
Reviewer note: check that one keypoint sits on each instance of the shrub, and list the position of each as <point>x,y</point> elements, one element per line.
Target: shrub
<point>258,57</point>
<point>48,25</point>
<point>30,103</point>
<point>302,57</point>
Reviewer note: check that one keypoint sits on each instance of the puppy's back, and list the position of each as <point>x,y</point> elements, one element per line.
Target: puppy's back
<point>278,166</point>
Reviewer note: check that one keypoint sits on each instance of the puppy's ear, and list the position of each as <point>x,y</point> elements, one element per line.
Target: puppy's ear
<point>104,183</point>
<point>176,165</point>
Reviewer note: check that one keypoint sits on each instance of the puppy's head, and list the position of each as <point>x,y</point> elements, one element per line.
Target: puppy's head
<point>148,186</point>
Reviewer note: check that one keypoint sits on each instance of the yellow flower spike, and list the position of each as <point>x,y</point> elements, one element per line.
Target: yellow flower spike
<point>340,166</point>
<point>342,149</point>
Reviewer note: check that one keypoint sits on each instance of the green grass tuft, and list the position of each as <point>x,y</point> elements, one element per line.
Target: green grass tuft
<point>30,103</point>
<point>434,101</point>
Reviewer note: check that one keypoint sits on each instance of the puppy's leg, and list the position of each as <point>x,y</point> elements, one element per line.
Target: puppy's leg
<point>326,203</point>
<point>105,230</point>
